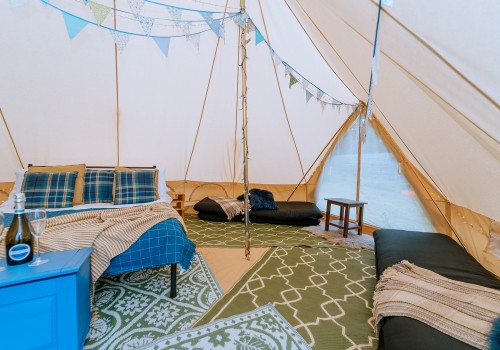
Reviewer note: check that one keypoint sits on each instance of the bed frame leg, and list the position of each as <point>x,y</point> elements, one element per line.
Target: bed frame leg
<point>173,280</point>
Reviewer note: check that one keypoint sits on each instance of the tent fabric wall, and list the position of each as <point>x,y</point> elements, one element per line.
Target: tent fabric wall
<point>73,101</point>
<point>450,134</point>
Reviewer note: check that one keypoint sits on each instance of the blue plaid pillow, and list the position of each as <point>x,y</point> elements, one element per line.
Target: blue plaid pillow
<point>133,187</point>
<point>49,190</point>
<point>98,186</point>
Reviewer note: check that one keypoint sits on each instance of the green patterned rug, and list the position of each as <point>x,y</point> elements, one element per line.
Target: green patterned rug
<point>263,329</point>
<point>133,309</point>
<point>206,233</point>
<point>324,293</point>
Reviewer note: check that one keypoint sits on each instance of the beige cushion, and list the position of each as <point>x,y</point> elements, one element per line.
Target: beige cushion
<point>80,168</point>
<point>493,246</point>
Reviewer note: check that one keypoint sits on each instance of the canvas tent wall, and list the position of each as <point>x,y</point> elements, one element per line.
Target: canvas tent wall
<point>66,101</point>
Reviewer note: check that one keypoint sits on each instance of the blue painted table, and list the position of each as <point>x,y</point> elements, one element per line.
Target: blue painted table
<point>46,306</point>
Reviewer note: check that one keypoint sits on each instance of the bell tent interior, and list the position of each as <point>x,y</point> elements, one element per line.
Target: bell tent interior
<point>392,103</point>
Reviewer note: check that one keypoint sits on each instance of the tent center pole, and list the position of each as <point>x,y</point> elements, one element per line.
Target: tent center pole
<point>243,41</point>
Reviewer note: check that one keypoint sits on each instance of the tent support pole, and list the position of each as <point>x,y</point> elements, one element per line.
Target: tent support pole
<point>117,94</point>
<point>11,139</point>
<point>360,145</point>
<point>243,41</point>
<point>236,107</point>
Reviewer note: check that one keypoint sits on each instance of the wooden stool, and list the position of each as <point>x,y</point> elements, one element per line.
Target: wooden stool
<point>343,222</point>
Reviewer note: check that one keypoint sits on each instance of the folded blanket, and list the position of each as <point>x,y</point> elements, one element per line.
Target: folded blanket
<point>109,232</point>
<point>464,311</point>
<point>231,207</point>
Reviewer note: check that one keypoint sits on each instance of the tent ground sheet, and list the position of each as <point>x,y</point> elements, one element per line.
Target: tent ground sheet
<point>324,293</point>
<point>232,234</point>
<point>134,309</point>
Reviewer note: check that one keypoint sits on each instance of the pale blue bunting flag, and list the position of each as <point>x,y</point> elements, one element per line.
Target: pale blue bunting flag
<point>163,44</point>
<point>74,25</point>
<point>308,96</point>
<point>258,37</point>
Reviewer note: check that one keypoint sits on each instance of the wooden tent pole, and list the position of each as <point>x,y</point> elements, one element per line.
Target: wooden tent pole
<point>243,42</point>
<point>360,145</point>
<point>117,100</point>
<point>11,139</point>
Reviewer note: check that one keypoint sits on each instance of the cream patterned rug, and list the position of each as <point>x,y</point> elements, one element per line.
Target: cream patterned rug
<point>334,235</point>
<point>263,328</point>
<point>134,309</point>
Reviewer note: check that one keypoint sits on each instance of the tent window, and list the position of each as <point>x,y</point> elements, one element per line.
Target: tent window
<point>392,202</point>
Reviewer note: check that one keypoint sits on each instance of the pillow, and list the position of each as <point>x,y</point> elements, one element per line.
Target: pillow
<point>98,186</point>
<point>136,186</point>
<point>260,199</point>
<point>9,203</point>
<point>79,168</point>
<point>49,190</point>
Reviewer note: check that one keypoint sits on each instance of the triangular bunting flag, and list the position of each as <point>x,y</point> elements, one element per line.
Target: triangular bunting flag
<point>287,70</point>
<point>222,31</point>
<point>293,80</point>
<point>305,84</point>
<point>250,27</point>
<point>258,37</point>
<point>185,28</point>
<point>320,94</point>
<point>136,6</point>
<point>278,60</point>
<point>322,104</point>
<point>195,40</point>
<point>74,24</point>
<point>213,24</point>
<point>207,16</point>
<point>120,38</point>
<point>308,96</point>
<point>146,23</point>
<point>100,11</point>
<point>271,51</point>
<point>163,44</point>
<point>174,13</point>
<point>85,2</point>
<point>240,20</point>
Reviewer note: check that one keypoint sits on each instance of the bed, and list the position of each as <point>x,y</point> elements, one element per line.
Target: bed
<point>288,213</point>
<point>440,254</point>
<point>164,243</point>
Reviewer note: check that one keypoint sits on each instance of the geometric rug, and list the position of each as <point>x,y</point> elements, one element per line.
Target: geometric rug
<point>262,328</point>
<point>135,308</point>
<point>232,234</point>
<point>324,293</point>
<point>353,240</point>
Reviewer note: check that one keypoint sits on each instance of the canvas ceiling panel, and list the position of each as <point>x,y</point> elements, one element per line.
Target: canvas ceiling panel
<point>214,153</point>
<point>161,100</point>
<point>450,155</point>
<point>292,44</point>
<point>436,139</point>
<point>423,64</point>
<point>463,33</point>
<point>57,94</point>
<point>272,156</point>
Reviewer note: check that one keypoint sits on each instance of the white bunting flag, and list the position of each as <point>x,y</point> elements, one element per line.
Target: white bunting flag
<point>195,40</point>
<point>136,6</point>
<point>146,23</point>
<point>305,84</point>
<point>322,104</point>
<point>120,38</point>
<point>174,13</point>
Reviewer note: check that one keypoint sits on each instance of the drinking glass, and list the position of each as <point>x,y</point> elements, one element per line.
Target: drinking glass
<point>37,219</point>
<point>2,224</point>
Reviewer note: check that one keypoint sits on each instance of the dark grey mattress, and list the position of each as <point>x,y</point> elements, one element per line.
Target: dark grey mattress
<point>438,253</point>
<point>288,213</point>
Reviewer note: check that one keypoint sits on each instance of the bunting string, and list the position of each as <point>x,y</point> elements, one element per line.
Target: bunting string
<point>211,22</point>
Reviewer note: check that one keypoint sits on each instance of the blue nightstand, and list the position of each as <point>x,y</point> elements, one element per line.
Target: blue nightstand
<point>46,306</point>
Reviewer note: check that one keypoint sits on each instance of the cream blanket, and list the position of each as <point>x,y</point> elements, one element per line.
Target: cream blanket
<point>232,207</point>
<point>110,232</point>
<point>462,310</point>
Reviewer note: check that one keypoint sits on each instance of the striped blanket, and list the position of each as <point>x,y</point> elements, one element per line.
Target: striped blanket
<point>231,207</point>
<point>464,311</point>
<point>109,232</point>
